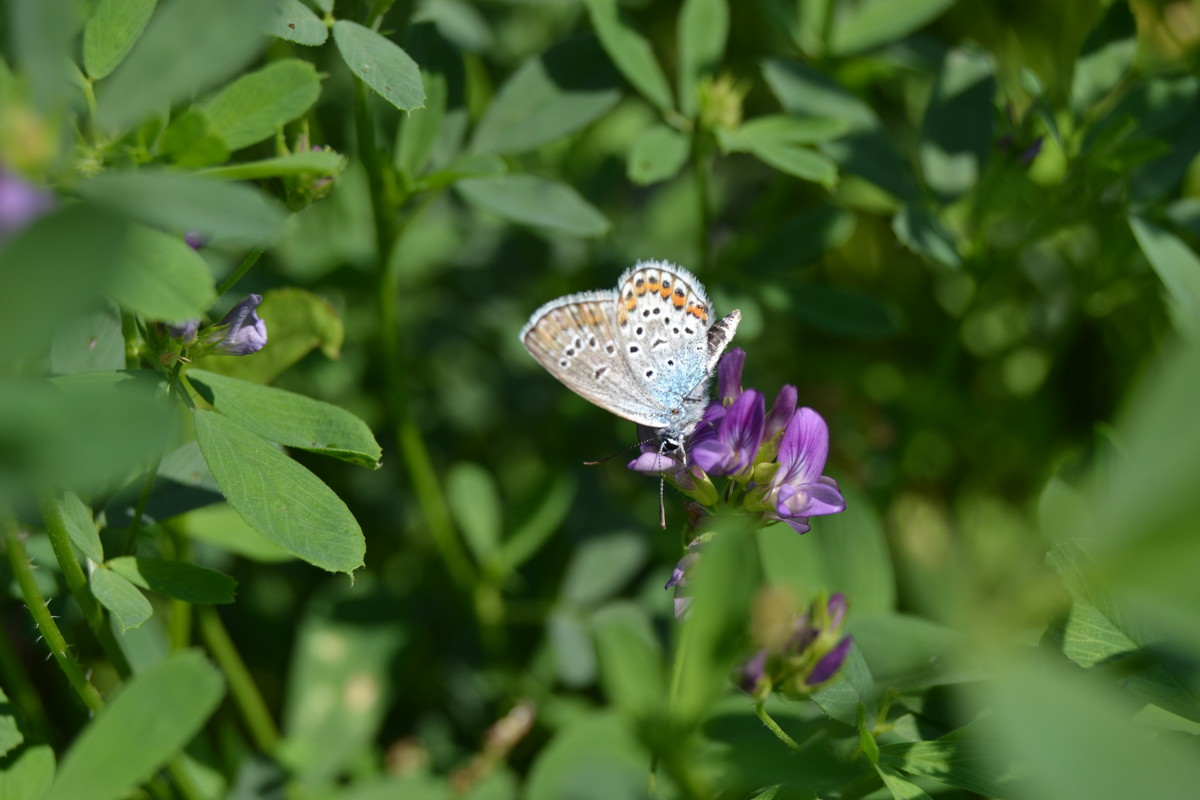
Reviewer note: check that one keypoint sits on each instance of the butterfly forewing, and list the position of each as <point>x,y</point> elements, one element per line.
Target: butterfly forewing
<point>575,338</point>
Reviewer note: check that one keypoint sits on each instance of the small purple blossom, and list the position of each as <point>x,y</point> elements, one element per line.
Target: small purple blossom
<point>729,376</point>
<point>798,489</point>
<point>184,331</point>
<point>737,437</point>
<point>195,240</point>
<point>811,656</point>
<point>241,331</point>
<point>781,413</point>
<point>20,203</point>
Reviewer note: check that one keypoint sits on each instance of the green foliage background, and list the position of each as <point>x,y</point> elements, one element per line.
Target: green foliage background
<point>965,231</point>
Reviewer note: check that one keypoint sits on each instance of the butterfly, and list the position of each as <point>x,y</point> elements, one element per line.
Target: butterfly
<point>646,351</point>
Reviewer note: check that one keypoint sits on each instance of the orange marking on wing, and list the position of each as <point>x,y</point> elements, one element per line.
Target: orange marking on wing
<point>678,300</point>
<point>665,292</point>
<point>699,312</point>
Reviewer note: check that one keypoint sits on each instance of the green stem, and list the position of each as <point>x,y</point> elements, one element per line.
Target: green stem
<point>774,728</point>
<point>139,511</point>
<point>249,261</point>
<point>18,560</point>
<point>181,775</point>
<point>685,637</point>
<point>246,696</point>
<point>77,582</point>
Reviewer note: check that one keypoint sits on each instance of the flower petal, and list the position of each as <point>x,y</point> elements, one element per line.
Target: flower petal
<point>803,450</point>
<point>729,375</point>
<point>829,663</point>
<point>781,413</point>
<point>653,463</point>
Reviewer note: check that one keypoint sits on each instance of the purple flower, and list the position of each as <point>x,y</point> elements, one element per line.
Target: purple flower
<point>830,663</point>
<point>195,240</point>
<point>20,203</point>
<point>737,437</point>
<point>729,376</point>
<point>781,413</point>
<point>1030,153</point>
<point>679,578</point>
<point>184,331</point>
<point>241,331</point>
<point>798,489</point>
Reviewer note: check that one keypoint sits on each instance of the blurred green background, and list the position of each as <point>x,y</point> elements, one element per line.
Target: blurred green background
<point>980,272</point>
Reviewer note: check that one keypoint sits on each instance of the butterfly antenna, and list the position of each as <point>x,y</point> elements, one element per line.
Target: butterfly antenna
<point>619,452</point>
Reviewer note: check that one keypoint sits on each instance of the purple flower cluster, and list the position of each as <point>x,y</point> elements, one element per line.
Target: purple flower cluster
<point>775,456</point>
<point>811,655</point>
<point>239,333</point>
<point>20,203</point>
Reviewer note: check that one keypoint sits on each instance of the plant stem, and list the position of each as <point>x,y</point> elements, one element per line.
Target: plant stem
<point>139,511</point>
<point>774,728</point>
<point>77,583</point>
<point>18,560</point>
<point>241,686</point>
<point>685,637</point>
<point>249,261</point>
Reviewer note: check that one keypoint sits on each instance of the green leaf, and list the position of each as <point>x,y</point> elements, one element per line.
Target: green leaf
<point>161,278</point>
<point>129,606</point>
<point>845,312</point>
<point>541,524</point>
<point>1177,266</point>
<point>574,654</point>
<point>964,758</point>
<point>844,552</point>
<point>27,774</point>
<point>905,652</point>
<point>290,419</point>
<point>631,663</point>
<point>471,165</point>
<point>183,203</point>
<point>854,687</point>
<point>258,104</point>
<point>188,46</point>
<point>1106,58</point>
<point>85,432</point>
<point>190,140</point>
<point>703,30</point>
<point>69,256</point>
<point>926,236</point>
<point>295,22</point>
<point>220,525</point>
<point>281,499</point>
<point>10,732</point>
<point>866,739</point>
<point>870,23</point>
<point>110,33</point>
<point>783,129</point>
<point>657,155</point>
<point>341,679</point>
<point>799,162</point>
<point>1075,738</point>
<point>318,163</point>
<point>177,579</point>
<point>630,51</point>
<point>90,343</point>
<point>298,322</point>
<point>900,788</point>
<point>726,577</point>
<point>81,527</point>
<point>475,503</point>
<point>957,130</point>
<point>866,149</point>
<point>595,758</point>
<point>528,200</point>
<point>381,64</point>
<point>156,713</point>
<point>38,35</point>
<point>549,96</point>
<point>601,566</point>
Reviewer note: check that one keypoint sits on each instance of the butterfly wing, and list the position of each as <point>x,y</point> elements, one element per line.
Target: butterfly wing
<point>576,340</point>
<point>664,317</point>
